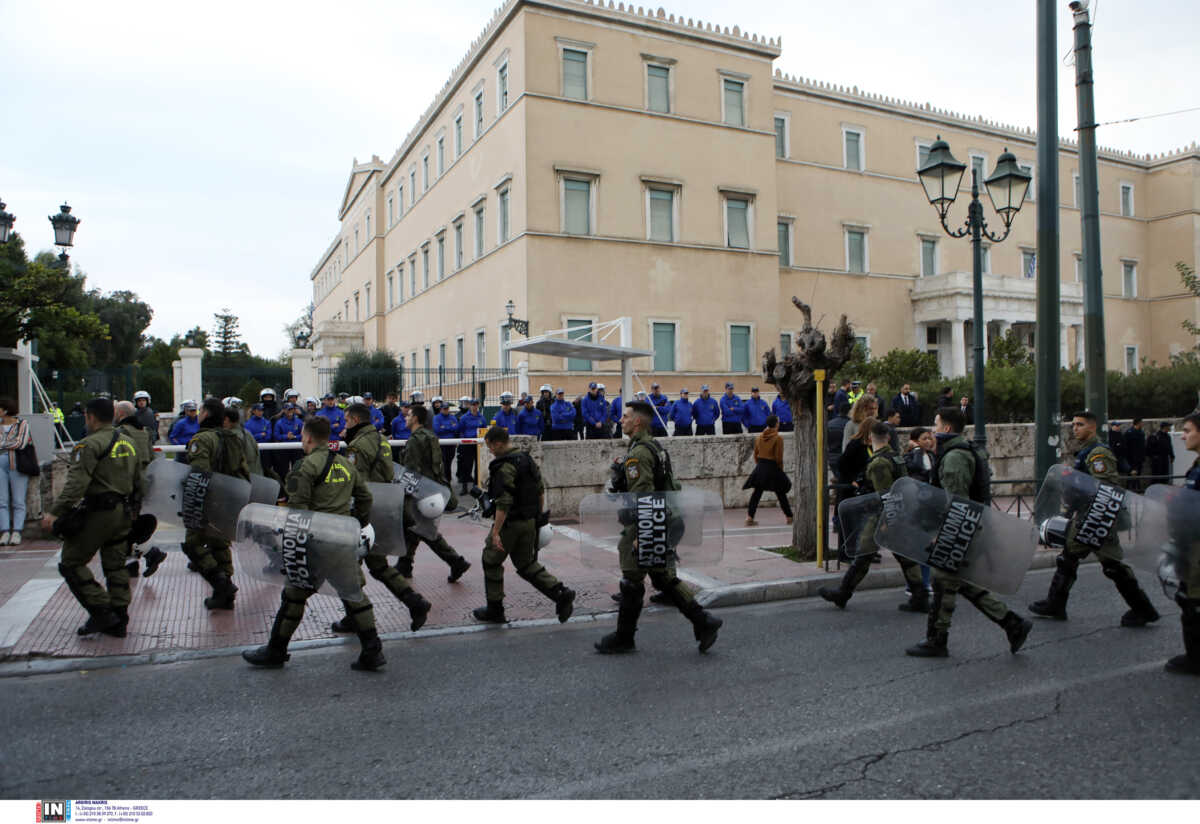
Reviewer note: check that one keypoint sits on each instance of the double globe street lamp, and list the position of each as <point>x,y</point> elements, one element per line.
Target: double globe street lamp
<point>1006,187</point>
<point>64,224</point>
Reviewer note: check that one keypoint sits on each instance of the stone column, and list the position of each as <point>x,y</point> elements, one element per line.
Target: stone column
<point>958,350</point>
<point>191,378</point>
<point>177,384</point>
<point>1078,344</point>
<point>304,374</point>
<point>25,372</point>
<point>920,336</point>
<point>626,363</point>
<point>1064,352</point>
<point>522,378</point>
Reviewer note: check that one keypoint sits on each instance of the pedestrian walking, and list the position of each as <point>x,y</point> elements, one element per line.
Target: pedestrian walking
<point>1188,596</point>
<point>16,468</point>
<point>768,474</point>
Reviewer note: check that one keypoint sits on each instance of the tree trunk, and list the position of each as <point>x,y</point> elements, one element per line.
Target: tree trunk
<point>804,484</point>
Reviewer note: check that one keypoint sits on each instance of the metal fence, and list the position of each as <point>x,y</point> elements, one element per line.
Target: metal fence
<point>66,387</point>
<point>447,381</point>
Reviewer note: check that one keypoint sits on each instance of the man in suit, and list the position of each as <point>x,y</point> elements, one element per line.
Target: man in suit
<point>908,406</point>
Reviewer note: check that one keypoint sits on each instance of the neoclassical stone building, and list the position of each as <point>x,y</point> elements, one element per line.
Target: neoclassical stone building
<point>591,161</point>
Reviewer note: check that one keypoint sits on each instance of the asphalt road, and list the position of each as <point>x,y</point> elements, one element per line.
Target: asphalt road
<point>796,700</point>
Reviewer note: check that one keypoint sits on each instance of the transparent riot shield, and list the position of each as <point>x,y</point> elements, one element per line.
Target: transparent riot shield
<point>387,518</point>
<point>310,550</point>
<point>859,517</point>
<point>1168,537</point>
<point>177,496</point>
<point>1095,512</point>
<point>981,545</point>
<point>427,500</point>
<point>264,490</point>
<point>685,528</point>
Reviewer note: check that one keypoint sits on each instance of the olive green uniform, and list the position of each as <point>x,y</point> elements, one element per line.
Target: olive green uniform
<point>1188,596</point>
<point>105,474</point>
<point>214,449</point>
<point>423,455</point>
<point>146,454</point>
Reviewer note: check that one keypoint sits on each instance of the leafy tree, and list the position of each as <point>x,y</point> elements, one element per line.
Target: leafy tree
<point>893,370</point>
<point>377,372</point>
<point>127,317</point>
<point>1009,350</point>
<point>227,337</point>
<point>1192,283</point>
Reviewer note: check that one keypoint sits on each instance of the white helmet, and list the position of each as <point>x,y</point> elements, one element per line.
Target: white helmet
<point>234,402</point>
<point>436,399</point>
<point>290,393</point>
<point>506,396</point>
<point>265,392</point>
<point>141,393</point>
<point>312,400</point>
<point>545,535</point>
<point>355,399</point>
<point>432,506</point>
<point>366,540</point>
<point>545,388</point>
<point>600,386</point>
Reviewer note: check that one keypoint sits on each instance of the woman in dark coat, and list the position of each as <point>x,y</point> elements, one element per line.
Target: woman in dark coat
<point>768,474</point>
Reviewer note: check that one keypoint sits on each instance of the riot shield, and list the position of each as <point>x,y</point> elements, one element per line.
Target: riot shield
<point>1168,537</point>
<point>387,517</point>
<point>264,490</point>
<point>310,550</point>
<point>859,517</point>
<point>177,495</point>
<point>427,500</point>
<point>685,528</point>
<point>981,545</point>
<point>1095,512</point>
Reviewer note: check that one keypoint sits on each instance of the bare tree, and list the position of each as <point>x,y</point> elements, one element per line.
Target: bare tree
<point>793,377</point>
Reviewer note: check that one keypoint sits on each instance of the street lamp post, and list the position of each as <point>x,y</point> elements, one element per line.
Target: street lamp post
<point>64,224</point>
<point>1006,187</point>
<point>521,326</point>
<point>6,223</point>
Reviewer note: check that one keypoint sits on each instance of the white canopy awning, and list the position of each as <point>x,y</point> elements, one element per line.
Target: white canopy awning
<point>556,347</point>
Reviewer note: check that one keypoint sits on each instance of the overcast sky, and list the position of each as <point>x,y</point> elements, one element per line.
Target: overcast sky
<point>206,146</point>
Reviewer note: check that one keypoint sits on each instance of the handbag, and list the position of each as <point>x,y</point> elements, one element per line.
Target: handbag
<point>26,459</point>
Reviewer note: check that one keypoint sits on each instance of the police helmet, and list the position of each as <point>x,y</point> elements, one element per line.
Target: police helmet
<point>186,405</point>
<point>506,397</point>
<point>545,535</point>
<point>366,540</point>
<point>600,386</point>
<point>545,388</point>
<point>235,402</point>
<point>417,397</point>
<point>290,393</point>
<point>465,399</point>
<point>141,394</point>
<point>436,399</point>
<point>431,506</point>
<point>312,400</point>
<point>265,392</point>
<point>354,399</point>
<point>343,395</point>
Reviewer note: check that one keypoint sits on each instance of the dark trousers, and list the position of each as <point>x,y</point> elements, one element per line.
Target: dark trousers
<point>466,463</point>
<point>447,459</point>
<point>561,435</point>
<point>682,430</point>
<point>755,427</point>
<point>756,496</point>
<point>787,427</point>
<point>706,429</point>
<point>597,433</point>
<point>731,428</point>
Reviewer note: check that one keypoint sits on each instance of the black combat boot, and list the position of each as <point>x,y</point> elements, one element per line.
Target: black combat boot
<point>1141,611</point>
<point>457,569</point>
<point>621,641</point>
<point>370,659</point>
<point>934,646</point>
<point>564,601</point>
<point>1054,605</point>
<point>704,624</point>
<point>344,624</point>
<point>404,566</point>
<point>493,613</point>
<point>103,619</point>
<point>122,614</point>
<point>1016,628</point>
<point>1189,618</point>
<point>223,590</point>
<point>418,608</point>
<point>274,654</point>
<point>836,596</point>
<point>153,558</point>
<point>918,601</point>
<point>134,568</point>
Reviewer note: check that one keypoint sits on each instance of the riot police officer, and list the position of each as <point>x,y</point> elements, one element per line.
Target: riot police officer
<point>147,420</point>
<point>1097,460</point>
<point>1188,596</point>
<point>130,423</point>
<point>647,468</point>
<point>518,493</point>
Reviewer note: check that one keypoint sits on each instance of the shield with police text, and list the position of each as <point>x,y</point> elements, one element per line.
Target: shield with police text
<point>427,500</point>
<point>310,550</point>
<point>264,490</point>
<point>1168,537</point>
<point>1096,513</point>
<point>178,495</point>
<point>860,518</point>
<point>653,529</point>
<point>387,518</point>
<point>981,545</point>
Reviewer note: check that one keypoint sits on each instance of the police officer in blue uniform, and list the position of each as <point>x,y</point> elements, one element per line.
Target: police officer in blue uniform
<point>469,424</point>
<point>705,412</point>
<point>680,414</point>
<point>658,426</point>
<point>258,425</point>
<point>562,418</point>
<point>595,411</point>
<point>376,413</point>
<point>187,426</point>
<point>446,425</point>
<point>731,412</point>
<point>507,416</point>
<point>617,412</point>
<point>755,412</point>
<point>783,410</point>
<point>336,417</point>
<point>529,420</point>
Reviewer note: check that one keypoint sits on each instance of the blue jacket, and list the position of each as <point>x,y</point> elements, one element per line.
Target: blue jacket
<point>337,421</point>
<point>755,412</point>
<point>260,428</point>
<point>681,412</point>
<point>529,422</point>
<point>377,418</point>
<point>706,411</point>
<point>284,428</point>
<point>782,410</point>
<point>659,400</point>
<point>469,424</point>
<point>731,409</point>
<point>507,420</point>
<point>562,415</point>
<point>445,425</point>
<point>594,410</point>
<point>617,409</point>
<point>400,430</point>
<point>183,430</point>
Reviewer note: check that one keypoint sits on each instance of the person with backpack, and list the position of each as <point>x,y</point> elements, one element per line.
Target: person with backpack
<point>883,470</point>
<point>647,468</point>
<point>516,489</point>
<point>962,469</point>
<point>1097,460</point>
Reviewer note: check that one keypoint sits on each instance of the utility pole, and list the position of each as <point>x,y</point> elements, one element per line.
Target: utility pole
<point>1047,412</point>
<point>1094,374</point>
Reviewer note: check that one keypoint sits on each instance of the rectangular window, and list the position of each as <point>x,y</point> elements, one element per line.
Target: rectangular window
<point>922,154</point>
<point>368,294</point>
<point>739,348</point>
<point>441,156</point>
<point>1128,279</point>
<point>459,355</point>
<point>1126,200</point>
<point>732,93</point>
<point>502,87</point>
<point>737,218</point>
<point>783,231</point>
<point>575,74</point>
<point>658,89</point>
<point>979,169</point>
<point>412,187</point>
<point>479,233</point>
<point>853,150</point>
<point>478,115</point>
<point>458,246</point>
<point>664,346</point>
<point>391,291</point>
<point>414,361</point>
<point>368,220</point>
<point>1079,268</point>
<point>928,257</point>
<point>356,244</point>
<point>856,251</point>
<point>785,344</point>
<point>931,336</point>
<point>987,259</point>
<point>399,283</point>
<point>390,212</point>
<point>1131,360</point>
<point>503,208</point>
<point>425,267</point>
<point>505,355</point>
<point>458,136</point>
<point>356,306</point>
<point>441,256</point>
<point>1028,169</point>
<point>428,363</point>
<point>481,348</point>
<point>425,173</point>
<point>863,342</point>
<point>412,276</point>
<point>578,329</point>
<point>442,355</point>
<point>1078,181</point>
<point>662,215</point>
<point>400,198</point>
<point>1029,263</point>
<point>780,136</point>
<point>577,205</point>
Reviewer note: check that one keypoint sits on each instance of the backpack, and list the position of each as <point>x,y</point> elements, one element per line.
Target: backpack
<point>664,475</point>
<point>981,482</point>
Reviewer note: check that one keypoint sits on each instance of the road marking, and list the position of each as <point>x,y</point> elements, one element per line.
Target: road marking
<point>19,611</point>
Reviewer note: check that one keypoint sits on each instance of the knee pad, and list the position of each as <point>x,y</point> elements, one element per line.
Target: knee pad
<point>632,589</point>
<point>70,574</point>
<point>529,571</point>
<point>1067,564</point>
<point>662,583</point>
<point>291,607</point>
<point>1116,571</point>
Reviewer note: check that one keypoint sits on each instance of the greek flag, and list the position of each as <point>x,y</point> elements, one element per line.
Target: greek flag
<point>1031,268</point>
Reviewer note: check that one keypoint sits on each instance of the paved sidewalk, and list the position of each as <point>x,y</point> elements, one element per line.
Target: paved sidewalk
<point>38,615</point>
